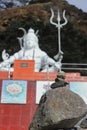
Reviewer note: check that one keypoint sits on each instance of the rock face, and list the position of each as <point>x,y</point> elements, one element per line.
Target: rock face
<point>58,108</point>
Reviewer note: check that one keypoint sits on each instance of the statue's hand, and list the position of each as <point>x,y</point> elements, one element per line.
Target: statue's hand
<point>4,64</point>
<point>57,66</point>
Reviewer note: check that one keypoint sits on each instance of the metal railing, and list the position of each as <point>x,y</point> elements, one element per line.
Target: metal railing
<point>74,66</point>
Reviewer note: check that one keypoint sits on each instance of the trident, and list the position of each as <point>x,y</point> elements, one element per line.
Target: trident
<point>59,26</point>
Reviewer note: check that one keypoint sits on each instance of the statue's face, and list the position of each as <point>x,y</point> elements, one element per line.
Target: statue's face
<point>29,42</point>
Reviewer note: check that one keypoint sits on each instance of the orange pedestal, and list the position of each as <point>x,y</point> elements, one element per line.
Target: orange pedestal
<point>24,66</point>
<point>24,70</point>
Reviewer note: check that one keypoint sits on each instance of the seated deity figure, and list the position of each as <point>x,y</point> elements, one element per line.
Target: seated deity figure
<point>30,51</point>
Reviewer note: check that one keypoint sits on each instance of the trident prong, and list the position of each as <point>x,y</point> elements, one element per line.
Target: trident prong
<point>58,25</point>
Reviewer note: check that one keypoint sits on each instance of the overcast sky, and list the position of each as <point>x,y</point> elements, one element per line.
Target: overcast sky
<point>81,4</point>
<point>80,88</point>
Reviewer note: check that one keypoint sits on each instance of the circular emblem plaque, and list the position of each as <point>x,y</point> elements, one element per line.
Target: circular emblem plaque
<point>14,89</point>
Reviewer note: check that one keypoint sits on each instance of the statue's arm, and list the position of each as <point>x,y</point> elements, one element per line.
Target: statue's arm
<point>53,63</point>
<point>9,61</point>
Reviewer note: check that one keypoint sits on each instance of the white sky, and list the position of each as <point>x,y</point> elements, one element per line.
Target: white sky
<point>80,88</point>
<point>81,4</point>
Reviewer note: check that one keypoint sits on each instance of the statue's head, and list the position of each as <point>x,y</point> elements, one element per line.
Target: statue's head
<point>30,40</point>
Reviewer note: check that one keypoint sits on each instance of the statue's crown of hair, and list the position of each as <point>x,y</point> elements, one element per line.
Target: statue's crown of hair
<point>31,30</point>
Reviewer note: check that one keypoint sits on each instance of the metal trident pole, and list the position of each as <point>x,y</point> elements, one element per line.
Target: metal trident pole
<point>59,26</point>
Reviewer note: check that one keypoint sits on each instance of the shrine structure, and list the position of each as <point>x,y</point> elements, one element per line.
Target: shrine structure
<point>17,115</point>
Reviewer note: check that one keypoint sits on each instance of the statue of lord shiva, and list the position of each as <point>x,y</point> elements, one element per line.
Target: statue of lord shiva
<point>30,51</point>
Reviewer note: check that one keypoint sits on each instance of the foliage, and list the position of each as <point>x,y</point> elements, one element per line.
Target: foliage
<point>38,1</point>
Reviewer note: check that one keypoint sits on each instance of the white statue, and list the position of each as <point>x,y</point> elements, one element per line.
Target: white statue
<point>30,51</point>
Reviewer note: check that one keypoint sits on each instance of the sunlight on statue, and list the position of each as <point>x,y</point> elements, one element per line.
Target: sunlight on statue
<point>30,51</point>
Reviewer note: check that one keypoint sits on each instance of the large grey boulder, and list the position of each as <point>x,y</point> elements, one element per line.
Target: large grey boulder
<point>58,108</point>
